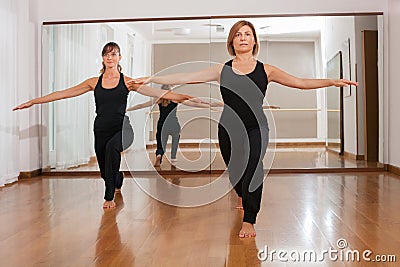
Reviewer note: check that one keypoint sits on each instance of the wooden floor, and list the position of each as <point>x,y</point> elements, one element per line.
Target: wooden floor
<point>59,221</point>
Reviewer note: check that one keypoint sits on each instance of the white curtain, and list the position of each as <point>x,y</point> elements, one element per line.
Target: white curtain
<point>73,125</point>
<point>9,140</point>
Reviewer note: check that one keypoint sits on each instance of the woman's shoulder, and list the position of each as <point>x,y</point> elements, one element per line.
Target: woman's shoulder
<point>267,67</point>
<point>92,82</point>
<point>126,78</point>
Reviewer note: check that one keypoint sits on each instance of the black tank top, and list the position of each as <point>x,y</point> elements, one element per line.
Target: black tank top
<point>110,106</point>
<point>243,96</point>
<point>168,111</point>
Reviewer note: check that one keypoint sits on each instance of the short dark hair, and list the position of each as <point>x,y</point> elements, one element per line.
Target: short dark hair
<point>235,28</point>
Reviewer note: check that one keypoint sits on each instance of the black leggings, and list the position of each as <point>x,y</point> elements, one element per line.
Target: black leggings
<point>165,130</point>
<point>243,153</point>
<point>108,147</point>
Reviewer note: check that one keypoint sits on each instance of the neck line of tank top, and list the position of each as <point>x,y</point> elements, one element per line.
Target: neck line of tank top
<point>115,87</point>
<point>244,74</point>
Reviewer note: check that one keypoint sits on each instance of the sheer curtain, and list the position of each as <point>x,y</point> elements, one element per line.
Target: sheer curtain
<point>73,126</point>
<point>9,140</point>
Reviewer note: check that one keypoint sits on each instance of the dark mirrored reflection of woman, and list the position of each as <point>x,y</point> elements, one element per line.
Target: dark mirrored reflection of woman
<point>168,123</point>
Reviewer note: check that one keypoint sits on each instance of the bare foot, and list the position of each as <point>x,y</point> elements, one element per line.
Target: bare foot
<point>109,204</point>
<point>239,205</point>
<point>247,230</point>
<point>158,161</point>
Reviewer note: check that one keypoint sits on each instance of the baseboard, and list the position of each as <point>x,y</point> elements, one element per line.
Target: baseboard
<point>27,175</point>
<point>353,156</point>
<point>277,144</point>
<point>184,174</point>
<point>298,144</point>
<point>392,169</point>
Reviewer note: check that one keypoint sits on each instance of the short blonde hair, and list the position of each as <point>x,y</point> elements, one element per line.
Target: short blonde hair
<point>235,28</point>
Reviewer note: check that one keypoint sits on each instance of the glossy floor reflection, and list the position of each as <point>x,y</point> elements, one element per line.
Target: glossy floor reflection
<point>279,160</point>
<point>58,221</point>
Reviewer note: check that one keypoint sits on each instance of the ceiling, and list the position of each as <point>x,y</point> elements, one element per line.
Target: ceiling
<point>218,29</point>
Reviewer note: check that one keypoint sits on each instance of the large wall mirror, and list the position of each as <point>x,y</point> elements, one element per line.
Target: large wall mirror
<point>300,45</point>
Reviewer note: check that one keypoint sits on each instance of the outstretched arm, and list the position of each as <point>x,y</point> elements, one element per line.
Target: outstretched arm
<point>197,103</point>
<point>158,93</point>
<point>77,90</point>
<point>140,106</point>
<point>207,75</point>
<point>217,104</point>
<point>281,77</point>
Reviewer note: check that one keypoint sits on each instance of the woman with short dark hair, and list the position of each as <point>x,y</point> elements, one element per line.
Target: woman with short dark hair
<point>243,128</point>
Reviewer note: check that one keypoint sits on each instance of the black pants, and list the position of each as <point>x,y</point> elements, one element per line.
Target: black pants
<point>163,131</point>
<point>108,147</point>
<point>243,152</point>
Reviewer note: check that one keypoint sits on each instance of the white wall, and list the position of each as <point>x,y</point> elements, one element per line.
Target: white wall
<point>51,10</point>
<point>29,120</point>
<point>293,126</point>
<point>393,94</point>
<point>141,67</point>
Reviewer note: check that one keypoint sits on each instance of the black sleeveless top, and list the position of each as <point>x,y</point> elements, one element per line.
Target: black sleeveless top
<point>243,96</point>
<point>168,111</point>
<point>110,106</point>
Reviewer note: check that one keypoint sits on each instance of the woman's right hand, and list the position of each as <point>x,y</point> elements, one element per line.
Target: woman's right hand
<point>27,104</point>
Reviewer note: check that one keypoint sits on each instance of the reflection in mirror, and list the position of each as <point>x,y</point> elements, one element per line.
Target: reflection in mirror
<point>301,46</point>
<point>334,102</point>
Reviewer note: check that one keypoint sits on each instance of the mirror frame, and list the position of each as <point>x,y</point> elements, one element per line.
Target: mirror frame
<point>155,19</point>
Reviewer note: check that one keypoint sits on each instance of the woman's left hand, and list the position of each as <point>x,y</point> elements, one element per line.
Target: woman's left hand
<point>344,82</point>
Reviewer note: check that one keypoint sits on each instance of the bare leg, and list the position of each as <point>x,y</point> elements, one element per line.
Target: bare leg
<point>157,163</point>
<point>109,204</point>
<point>247,230</point>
